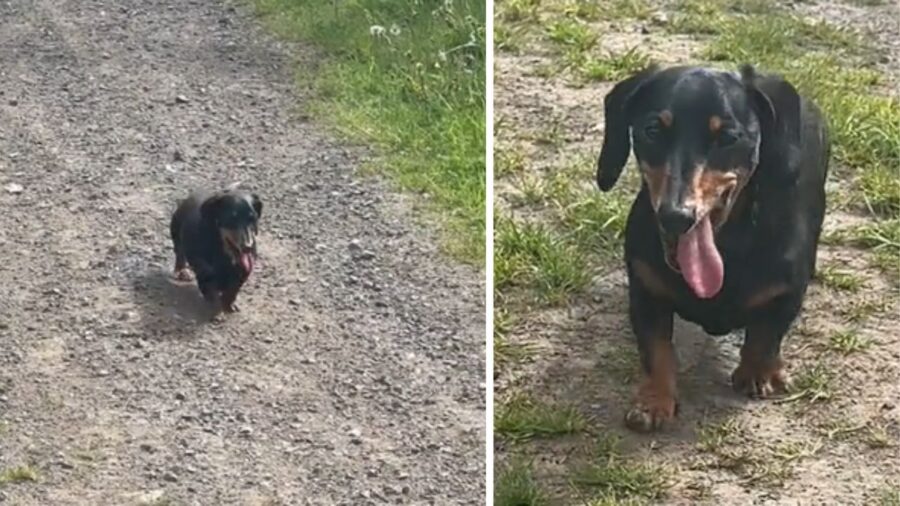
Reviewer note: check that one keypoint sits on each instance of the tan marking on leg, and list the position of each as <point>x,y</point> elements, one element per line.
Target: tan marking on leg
<point>656,403</point>
<point>715,124</point>
<point>763,296</point>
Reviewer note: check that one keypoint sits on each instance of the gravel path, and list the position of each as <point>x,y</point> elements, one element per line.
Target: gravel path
<point>353,374</point>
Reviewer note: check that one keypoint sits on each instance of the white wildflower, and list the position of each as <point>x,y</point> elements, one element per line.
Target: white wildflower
<point>395,30</point>
<point>376,31</point>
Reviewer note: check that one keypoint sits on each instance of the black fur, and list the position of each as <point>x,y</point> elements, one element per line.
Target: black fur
<point>196,230</point>
<point>767,242</point>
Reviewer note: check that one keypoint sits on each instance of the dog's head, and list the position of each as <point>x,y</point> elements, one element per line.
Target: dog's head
<point>235,214</point>
<point>698,136</point>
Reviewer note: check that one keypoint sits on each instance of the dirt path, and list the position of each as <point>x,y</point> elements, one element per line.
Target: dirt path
<point>837,444</point>
<point>354,374</point>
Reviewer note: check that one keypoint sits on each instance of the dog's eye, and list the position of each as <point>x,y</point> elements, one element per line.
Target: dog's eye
<point>651,132</point>
<point>726,139</point>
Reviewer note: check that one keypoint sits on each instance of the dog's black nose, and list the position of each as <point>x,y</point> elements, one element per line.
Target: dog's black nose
<point>675,220</point>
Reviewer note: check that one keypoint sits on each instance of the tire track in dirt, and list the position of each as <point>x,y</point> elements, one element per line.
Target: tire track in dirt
<point>353,374</point>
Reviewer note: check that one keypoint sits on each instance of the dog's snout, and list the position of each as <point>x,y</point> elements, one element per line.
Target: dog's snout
<point>675,220</point>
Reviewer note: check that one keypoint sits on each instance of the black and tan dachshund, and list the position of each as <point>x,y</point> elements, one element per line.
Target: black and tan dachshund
<point>725,228</point>
<point>214,234</point>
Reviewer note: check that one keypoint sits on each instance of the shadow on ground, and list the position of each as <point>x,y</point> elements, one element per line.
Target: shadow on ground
<point>170,309</point>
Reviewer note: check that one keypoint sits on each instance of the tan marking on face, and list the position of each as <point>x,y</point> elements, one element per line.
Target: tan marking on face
<point>651,280</point>
<point>657,179</point>
<point>665,118</point>
<point>715,124</point>
<point>707,188</point>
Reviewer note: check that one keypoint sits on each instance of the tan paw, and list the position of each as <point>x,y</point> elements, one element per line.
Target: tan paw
<point>184,274</point>
<point>653,407</point>
<point>761,382</point>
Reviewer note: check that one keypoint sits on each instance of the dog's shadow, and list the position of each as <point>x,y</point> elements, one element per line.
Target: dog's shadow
<point>170,308</point>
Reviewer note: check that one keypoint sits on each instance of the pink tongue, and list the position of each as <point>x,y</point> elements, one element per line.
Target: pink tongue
<point>699,260</point>
<point>247,262</point>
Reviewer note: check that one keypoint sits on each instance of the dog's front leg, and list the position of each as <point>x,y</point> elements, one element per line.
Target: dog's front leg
<point>761,371</point>
<point>651,320</point>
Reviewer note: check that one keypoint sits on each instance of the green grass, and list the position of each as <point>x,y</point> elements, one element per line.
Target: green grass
<point>515,486</point>
<point>612,479</point>
<point>531,256</point>
<point>18,475</point>
<point>813,384</point>
<point>836,279</point>
<point>882,237</point>
<point>889,496</point>
<point>847,342</point>
<point>409,79</point>
<point>523,418</point>
<point>614,66</point>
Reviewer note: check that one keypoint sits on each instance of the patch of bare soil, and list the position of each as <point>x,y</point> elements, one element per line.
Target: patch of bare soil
<point>353,374</point>
<point>843,450</point>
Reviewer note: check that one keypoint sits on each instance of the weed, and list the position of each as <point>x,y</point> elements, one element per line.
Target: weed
<point>507,162</point>
<point>847,342</point>
<point>836,279</point>
<point>889,496</point>
<point>18,474</point>
<point>861,308</point>
<point>517,10</point>
<point>597,222</point>
<point>522,418</point>
<point>572,34</point>
<point>614,480</point>
<point>878,437</point>
<point>530,256</point>
<point>626,9</point>
<point>614,66</point>
<point>883,238</point>
<point>515,486</point>
<point>813,384</point>
<point>620,363</point>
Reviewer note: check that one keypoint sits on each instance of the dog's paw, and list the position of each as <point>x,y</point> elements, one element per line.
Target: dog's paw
<point>652,409</point>
<point>231,308</point>
<point>183,275</point>
<point>761,382</point>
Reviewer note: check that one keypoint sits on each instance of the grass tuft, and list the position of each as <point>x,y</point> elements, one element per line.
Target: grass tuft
<point>409,79</point>
<point>531,256</point>
<point>813,384</point>
<point>522,418</point>
<point>18,475</point>
<point>614,480</point>
<point>515,486</point>
<point>835,279</point>
<point>847,342</point>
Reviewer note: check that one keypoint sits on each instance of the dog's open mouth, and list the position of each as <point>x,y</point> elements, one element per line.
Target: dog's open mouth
<point>245,256</point>
<point>694,254</point>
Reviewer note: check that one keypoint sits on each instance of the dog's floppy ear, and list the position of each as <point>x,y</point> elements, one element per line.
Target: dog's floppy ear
<point>616,138</point>
<point>209,209</point>
<point>776,103</point>
<point>257,204</point>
